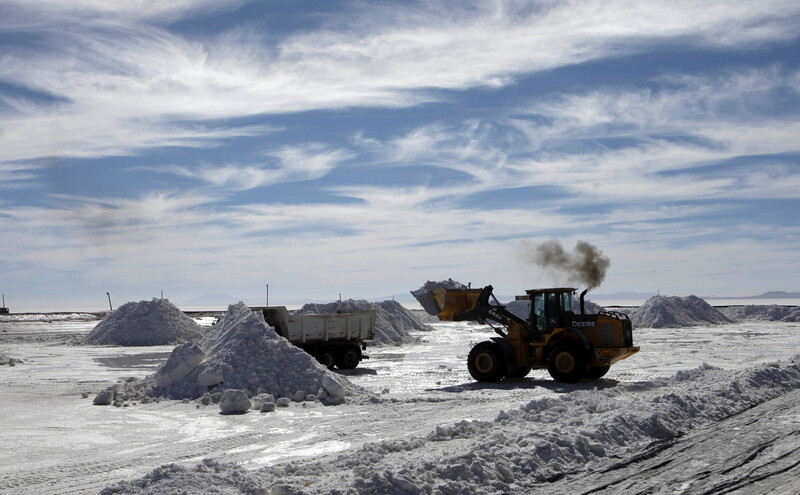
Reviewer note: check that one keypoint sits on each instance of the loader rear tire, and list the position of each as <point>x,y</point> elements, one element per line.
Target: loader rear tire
<point>597,372</point>
<point>348,358</point>
<point>486,363</point>
<point>325,357</point>
<point>566,364</point>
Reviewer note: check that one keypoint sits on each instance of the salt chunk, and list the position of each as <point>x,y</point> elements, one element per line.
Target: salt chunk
<point>181,362</point>
<point>333,388</point>
<point>104,398</point>
<point>234,401</point>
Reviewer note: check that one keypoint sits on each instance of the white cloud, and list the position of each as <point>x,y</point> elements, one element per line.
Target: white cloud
<point>666,145</point>
<point>117,69</point>
<point>115,80</point>
<point>289,164</point>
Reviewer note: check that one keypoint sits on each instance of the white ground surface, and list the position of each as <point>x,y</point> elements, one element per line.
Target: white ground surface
<point>55,441</point>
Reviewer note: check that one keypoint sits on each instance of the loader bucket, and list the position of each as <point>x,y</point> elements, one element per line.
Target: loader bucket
<point>428,302</point>
<point>446,303</point>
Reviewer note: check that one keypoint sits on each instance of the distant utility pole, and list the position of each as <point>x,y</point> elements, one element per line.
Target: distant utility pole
<point>109,302</point>
<point>340,297</point>
<point>267,294</point>
<point>162,294</point>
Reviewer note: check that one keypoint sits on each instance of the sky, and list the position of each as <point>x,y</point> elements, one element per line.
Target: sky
<point>198,147</point>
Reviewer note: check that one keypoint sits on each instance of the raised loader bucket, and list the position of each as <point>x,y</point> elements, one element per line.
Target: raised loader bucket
<point>446,303</point>
<point>428,302</point>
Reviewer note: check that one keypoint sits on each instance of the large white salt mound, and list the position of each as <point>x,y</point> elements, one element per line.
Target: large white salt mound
<point>393,322</point>
<point>522,449</point>
<point>771,312</point>
<point>664,311</point>
<point>242,352</point>
<point>156,322</point>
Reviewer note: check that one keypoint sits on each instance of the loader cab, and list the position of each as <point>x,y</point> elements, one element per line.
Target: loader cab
<point>549,308</point>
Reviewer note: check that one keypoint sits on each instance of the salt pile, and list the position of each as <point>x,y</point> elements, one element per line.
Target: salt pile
<point>49,317</point>
<point>240,353</point>
<point>589,307</point>
<point>770,312</point>
<point>393,322</point>
<point>8,361</point>
<point>520,308</point>
<point>664,311</point>
<point>519,449</point>
<point>156,322</point>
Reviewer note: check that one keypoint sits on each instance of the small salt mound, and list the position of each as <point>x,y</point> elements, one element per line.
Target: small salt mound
<point>392,320</point>
<point>242,353</point>
<point>521,308</point>
<point>8,361</point>
<point>771,312</point>
<point>589,307</point>
<point>664,311</point>
<point>144,323</point>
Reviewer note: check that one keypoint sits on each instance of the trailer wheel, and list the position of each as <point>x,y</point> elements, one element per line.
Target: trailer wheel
<point>348,358</point>
<point>566,364</point>
<point>485,362</point>
<point>597,372</point>
<point>325,356</point>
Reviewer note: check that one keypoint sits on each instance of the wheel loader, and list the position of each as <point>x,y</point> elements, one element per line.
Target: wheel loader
<point>571,346</point>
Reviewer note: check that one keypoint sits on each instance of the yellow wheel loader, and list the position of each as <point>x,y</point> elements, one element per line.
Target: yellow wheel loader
<point>571,346</point>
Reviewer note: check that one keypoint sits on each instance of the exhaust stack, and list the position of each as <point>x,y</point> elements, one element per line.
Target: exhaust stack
<point>583,294</point>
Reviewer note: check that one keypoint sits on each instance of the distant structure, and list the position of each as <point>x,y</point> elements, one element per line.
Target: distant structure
<point>4,309</point>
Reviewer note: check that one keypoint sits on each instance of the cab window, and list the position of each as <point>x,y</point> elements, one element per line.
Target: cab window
<point>566,301</point>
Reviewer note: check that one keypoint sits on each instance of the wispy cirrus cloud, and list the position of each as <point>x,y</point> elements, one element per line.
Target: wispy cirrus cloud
<point>119,65</point>
<point>657,170</point>
<point>663,145</point>
<point>287,164</point>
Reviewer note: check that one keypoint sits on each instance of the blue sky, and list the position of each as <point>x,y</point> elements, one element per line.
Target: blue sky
<point>202,147</point>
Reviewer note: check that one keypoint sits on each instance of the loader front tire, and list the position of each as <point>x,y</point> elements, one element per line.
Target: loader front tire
<point>597,372</point>
<point>566,364</point>
<point>486,363</point>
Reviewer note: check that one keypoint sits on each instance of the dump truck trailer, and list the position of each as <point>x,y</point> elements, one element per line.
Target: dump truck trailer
<point>335,340</point>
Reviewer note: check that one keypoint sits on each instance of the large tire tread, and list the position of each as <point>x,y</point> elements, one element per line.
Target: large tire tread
<point>326,357</point>
<point>597,372</point>
<point>348,357</point>
<point>567,363</point>
<point>486,363</point>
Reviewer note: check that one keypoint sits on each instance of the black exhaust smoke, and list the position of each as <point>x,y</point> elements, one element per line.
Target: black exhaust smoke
<point>585,265</point>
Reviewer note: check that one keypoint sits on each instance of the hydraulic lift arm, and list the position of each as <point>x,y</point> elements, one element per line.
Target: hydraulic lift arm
<point>484,312</point>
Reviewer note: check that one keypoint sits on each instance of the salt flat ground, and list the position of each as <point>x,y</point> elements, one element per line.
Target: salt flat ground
<point>56,441</point>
